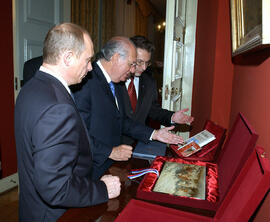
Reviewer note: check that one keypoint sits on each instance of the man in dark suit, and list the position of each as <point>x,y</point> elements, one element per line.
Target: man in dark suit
<point>101,105</point>
<point>53,148</point>
<point>30,67</point>
<point>146,97</point>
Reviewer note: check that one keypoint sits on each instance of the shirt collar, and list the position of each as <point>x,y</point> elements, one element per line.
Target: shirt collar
<point>136,81</point>
<point>108,78</point>
<point>57,76</point>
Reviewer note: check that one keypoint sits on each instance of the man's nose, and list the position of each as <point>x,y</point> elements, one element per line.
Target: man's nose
<point>144,66</point>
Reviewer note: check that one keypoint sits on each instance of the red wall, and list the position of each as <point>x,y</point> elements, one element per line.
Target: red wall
<point>251,88</point>
<point>213,71</point>
<point>8,153</point>
<point>223,88</point>
<point>204,67</point>
<point>223,71</point>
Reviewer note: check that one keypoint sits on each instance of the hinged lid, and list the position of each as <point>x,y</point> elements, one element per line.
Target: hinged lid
<point>237,149</point>
<point>247,191</point>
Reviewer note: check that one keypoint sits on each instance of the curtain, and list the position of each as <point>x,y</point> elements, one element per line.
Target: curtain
<point>108,24</point>
<point>141,22</point>
<point>96,16</point>
<point>124,18</point>
<point>144,9</point>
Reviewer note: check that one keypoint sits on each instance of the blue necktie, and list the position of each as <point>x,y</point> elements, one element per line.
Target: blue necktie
<point>112,88</point>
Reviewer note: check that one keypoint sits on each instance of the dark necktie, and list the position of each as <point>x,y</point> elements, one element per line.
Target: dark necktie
<point>112,88</point>
<point>132,94</point>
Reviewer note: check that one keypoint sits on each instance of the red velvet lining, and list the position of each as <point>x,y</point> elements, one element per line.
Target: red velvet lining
<point>211,176</point>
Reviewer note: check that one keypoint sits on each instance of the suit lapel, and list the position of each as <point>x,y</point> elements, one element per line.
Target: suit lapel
<point>104,84</point>
<point>120,99</point>
<point>140,97</point>
<point>141,92</point>
<point>126,99</point>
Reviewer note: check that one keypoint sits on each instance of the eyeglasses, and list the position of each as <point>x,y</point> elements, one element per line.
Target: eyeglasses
<point>132,65</point>
<point>141,63</point>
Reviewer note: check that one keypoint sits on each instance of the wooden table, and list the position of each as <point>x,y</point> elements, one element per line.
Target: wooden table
<point>110,210</point>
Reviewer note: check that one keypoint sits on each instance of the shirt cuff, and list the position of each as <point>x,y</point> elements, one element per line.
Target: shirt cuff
<point>152,135</point>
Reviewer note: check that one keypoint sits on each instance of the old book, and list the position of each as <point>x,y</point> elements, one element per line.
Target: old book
<point>195,143</point>
<point>182,180</point>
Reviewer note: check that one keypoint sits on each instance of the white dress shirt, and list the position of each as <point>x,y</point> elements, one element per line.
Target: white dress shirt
<point>108,78</point>
<point>57,76</point>
<point>136,82</point>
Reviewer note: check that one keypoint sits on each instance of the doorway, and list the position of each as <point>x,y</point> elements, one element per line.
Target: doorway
<point>173,33</point>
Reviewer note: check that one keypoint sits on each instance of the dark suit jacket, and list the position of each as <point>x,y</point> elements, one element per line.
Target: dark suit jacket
<point>147,104</point>
<point>30,67</point>
<point>105,122</point>
<point>53,152</point>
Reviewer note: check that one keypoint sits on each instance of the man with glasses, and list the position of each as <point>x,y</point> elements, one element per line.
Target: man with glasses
<point>101,105</point>
<point>140,92</point>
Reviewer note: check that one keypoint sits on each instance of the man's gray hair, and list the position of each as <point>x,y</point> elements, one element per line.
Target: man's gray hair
<point>118,45</point>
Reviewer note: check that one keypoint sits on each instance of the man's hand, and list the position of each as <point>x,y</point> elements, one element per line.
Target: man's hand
<point>163,135</point>
<point>121,153</point>
<point>113,185</point>
<point>181,118</point>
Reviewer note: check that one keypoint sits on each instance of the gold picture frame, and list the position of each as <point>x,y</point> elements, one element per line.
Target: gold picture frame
<point>250,25</point>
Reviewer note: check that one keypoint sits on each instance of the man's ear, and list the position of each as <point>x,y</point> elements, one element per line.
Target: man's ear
<point>115,58</point>
<point>68,58</point>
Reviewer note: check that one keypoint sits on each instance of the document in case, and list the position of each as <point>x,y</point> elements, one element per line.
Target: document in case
<point>182,180</point>
<point>195,143</point>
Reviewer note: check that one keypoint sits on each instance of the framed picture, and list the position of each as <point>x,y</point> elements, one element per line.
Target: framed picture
<point>250,25</point>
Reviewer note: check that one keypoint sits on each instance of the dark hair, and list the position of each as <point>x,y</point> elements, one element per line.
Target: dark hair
<point>143,43</point>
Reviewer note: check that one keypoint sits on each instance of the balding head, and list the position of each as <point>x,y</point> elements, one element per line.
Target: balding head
<point>117,44</point>
<point>118,57</point>
<point>66,36</point>
<point>67,52</point>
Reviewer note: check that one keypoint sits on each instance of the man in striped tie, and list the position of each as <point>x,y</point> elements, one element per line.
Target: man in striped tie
<point>101,105</point>
<point>140,92</point>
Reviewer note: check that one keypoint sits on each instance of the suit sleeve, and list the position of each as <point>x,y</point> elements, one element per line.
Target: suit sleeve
<point>156,112</point>
<point>56,139</point>
<point>137,130</point>
<point>100,150</point>
<point>133,128</point>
